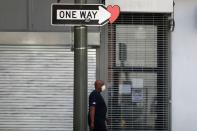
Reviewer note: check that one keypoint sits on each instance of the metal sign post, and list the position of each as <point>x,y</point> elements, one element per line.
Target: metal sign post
<point>80,76</point>
<point>81,15</point>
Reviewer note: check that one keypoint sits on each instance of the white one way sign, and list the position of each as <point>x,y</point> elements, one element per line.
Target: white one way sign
<point>90,15</point>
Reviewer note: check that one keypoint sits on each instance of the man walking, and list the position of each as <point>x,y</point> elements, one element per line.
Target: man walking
<point>97,108</point>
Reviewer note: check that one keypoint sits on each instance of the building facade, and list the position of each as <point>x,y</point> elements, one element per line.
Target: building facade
<point>140,57</point>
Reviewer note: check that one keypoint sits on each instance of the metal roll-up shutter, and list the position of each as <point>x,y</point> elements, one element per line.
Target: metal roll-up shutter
<point>138,73</point>
<point>36,87</point>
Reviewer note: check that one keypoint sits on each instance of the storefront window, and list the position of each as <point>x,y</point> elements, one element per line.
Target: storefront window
<point>138,93</point>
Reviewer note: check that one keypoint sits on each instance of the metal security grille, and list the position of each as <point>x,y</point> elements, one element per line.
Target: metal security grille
<point>138,73</point>
<point>36,87</point>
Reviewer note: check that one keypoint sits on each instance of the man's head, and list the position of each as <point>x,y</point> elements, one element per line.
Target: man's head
<point>99,85</point>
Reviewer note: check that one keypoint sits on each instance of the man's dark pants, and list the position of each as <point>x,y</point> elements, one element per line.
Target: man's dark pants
<point>100,126</point>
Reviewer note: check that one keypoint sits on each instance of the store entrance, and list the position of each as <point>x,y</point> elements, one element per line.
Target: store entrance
<point>138,72</point>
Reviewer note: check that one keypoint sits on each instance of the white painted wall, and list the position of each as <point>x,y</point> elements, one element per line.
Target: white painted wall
<point>184,67</point>
<point>142,5</point>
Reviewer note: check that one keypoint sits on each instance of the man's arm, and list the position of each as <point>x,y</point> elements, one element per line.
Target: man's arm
<point>92,115</point>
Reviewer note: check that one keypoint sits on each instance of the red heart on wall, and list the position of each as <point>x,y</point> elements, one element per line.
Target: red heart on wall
<point>115,12</point>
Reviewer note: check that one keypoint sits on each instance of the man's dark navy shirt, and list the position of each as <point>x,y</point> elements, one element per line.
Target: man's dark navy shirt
<point>96,100</point>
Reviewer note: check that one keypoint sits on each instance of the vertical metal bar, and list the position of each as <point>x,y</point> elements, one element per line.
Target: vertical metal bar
<point>80,76</point>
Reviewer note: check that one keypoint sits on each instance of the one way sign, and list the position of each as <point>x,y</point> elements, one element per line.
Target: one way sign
<point>89,15</point>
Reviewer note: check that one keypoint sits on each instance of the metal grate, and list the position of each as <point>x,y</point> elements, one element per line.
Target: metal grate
<point>138,73</point>
<point>36,87</point>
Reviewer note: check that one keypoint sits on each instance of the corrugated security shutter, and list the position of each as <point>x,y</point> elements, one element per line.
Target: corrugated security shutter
<point>138,73</point>
<point>36,87</point>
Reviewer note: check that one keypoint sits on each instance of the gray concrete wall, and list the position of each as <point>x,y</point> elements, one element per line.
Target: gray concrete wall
<point>13,15</point>
<point>30,15</point>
